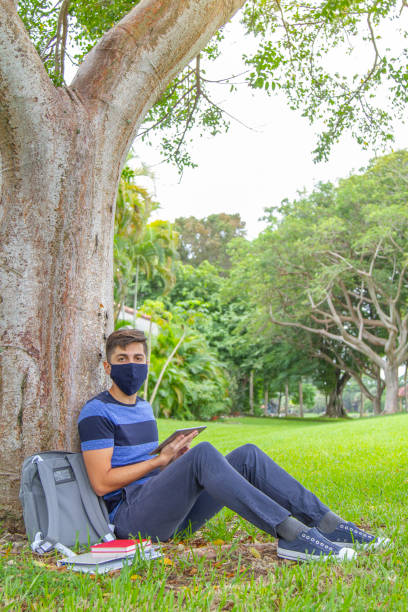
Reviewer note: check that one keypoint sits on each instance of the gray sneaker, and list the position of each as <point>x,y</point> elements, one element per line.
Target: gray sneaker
<point>311,545</point>
<point>348,534</point>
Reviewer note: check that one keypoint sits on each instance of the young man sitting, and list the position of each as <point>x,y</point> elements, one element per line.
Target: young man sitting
<point>180,488</point>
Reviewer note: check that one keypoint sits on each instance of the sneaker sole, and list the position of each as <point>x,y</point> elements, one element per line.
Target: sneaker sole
<point>345,554</point>
<point>377,543</point>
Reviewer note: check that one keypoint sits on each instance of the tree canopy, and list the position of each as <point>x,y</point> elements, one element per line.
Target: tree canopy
<point>334,264</point>
<point>207,239</point>
<point>337,62</point>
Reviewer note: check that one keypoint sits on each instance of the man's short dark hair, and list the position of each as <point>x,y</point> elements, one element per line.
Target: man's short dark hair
<point>122,337</point>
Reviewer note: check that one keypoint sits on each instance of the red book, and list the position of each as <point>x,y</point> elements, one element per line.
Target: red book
<point>119,546</point>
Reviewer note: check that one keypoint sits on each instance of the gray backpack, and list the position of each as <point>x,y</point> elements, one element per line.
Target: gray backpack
<point>60,508</point>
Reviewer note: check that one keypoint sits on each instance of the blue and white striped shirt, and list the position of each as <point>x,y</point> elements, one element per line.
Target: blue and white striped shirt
<point>130,429</point>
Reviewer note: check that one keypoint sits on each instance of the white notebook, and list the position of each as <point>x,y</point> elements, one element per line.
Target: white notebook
<point>100,563</point>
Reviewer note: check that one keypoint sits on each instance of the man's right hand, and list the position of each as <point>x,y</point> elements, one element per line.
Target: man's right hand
<point>104,478</point>
<point>176,448</point>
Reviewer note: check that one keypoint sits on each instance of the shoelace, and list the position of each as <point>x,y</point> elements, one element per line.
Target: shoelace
<point>356,531</point>
<point>322,545</point>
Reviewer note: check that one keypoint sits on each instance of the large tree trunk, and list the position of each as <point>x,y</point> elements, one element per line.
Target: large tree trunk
<point>335,407</point>
<point>251,392</point>
<point>266,400</point>
<point>391,388</point>
<point>361,405</point>
<point>286,399</point>
<point>378,395</point>
<point>61,152</point>
<point>56,273</point>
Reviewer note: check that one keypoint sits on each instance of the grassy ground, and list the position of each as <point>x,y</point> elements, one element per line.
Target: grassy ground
<point>358,467</point>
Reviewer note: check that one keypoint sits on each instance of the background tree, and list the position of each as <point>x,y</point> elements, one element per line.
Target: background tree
<point>207,239</point>
<point>186,378</point>
<point>334,264</point>
<point>142,249</point>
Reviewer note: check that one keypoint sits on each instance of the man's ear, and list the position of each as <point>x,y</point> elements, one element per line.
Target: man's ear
<point>107,367</point>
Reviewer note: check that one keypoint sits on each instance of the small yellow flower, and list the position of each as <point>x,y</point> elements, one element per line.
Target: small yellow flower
<point>167,561</point>
<point>218,542</point>
<point>135,577</point>
<point>254,552</point>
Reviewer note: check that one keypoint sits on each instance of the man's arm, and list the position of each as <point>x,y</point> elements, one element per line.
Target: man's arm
<point>104,478</point>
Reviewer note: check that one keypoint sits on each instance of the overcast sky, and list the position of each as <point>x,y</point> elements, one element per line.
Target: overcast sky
<point>246,170</point>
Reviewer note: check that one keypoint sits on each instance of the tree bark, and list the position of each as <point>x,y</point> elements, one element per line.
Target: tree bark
<point>61,153</point>
<point>266,401</point>
<point>335,407</point>
<point>377,398</point>
<point>391,388</point>
<point>301,399</point>
<point>251,392</point>
<point>286,399</point>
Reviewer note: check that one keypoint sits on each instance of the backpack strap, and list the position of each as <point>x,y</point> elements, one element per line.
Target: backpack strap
<point>89,498</point>
<point>27,499</point>
<point>44,543</point>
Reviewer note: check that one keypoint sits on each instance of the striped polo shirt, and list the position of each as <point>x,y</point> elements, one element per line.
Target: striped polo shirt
<point>130,429</point>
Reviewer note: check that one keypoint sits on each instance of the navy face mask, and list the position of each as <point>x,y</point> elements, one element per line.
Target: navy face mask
<point>129,376</point>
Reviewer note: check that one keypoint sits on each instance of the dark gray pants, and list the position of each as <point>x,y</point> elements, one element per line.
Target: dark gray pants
<point>197,485</point>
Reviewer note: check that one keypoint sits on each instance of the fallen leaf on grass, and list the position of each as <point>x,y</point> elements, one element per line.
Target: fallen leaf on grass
<point>46,565</point>
<point>204,552</point>
<point>254,552</point>
<point>218,542</point>
<point>135,577</point>
<point>167,561</point>
<point>190,589</point>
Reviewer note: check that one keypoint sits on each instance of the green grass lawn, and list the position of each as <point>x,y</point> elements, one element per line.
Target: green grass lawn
<point>358,467</point>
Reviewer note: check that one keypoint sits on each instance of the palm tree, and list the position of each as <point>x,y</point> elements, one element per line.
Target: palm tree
<point>140,248</point>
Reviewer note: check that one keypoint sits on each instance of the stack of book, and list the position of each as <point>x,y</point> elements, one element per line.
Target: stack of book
<point>108,556</point>
<point>120,547</point>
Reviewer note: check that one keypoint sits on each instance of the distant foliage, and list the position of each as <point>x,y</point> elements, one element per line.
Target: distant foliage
<point>207,239</point>
<point>195,384</point>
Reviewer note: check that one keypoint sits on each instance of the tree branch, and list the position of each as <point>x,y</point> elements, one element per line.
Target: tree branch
<point>163,370</point>
<point>25,88</point>
<point>344,338</point>
<point>61,38</point>
<point>26,95</point>
<point>322,355</point>
<point>124,74</point>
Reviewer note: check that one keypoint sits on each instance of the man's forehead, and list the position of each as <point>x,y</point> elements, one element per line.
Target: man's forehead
<point>129,349</point>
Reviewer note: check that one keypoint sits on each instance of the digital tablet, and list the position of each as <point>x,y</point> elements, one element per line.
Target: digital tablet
<point>176,433</point>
